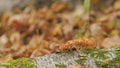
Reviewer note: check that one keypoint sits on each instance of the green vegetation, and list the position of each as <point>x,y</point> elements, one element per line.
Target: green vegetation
<point>101,57</point>
<point>87,5</point>
<point>79,34</point>
<point>103,61</point>
<point>116,61</point>
<point>61,65</point>
<point>81,60</point>
<point>84,30</point>
<point>19,63</point>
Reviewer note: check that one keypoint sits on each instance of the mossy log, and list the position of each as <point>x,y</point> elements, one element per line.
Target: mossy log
<point>88,58</point>
<point>93,59</point>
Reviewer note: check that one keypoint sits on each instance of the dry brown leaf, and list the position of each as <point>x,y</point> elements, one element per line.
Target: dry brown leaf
<point>96,30</point>
<point>6,58</point>
<point>42,13</point>
<point>15,37</point>
<point>3,40</point>
<point>5,18</point>
<point>57,7</point>
<point>117,5</point>
<point>111,42</point>
<point>77,66</point>
<point>57,30</point>
<point>19,22</point>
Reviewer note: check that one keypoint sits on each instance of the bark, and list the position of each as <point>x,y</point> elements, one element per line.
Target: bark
<point>68,59</point>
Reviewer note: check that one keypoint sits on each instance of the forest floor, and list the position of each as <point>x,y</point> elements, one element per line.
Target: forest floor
<point>32,32</point>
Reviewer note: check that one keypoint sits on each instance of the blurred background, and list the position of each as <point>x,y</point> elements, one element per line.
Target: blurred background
<point>30,28</point>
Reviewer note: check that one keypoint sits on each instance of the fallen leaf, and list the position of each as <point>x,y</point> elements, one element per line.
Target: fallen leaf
<point>117,5</point>
<point>111,42</point>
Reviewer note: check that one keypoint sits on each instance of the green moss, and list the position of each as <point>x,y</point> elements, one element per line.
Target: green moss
<point>19,63</point>
<point>101,58</point>
<point>61,65</point>
<point>116,61</point>
<point>81,60</point>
